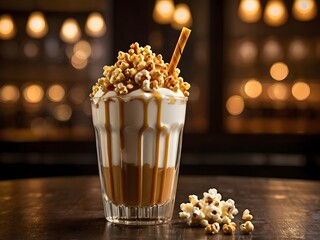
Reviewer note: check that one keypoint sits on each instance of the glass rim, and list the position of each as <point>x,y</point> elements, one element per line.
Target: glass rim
<point>126,97</point>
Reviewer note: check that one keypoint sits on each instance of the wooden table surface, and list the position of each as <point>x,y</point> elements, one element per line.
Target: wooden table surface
<point>71,208</point>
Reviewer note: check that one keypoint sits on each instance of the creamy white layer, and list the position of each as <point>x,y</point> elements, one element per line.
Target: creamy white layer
<point>139,127</point>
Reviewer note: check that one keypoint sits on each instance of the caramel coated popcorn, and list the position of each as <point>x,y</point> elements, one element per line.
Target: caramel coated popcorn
<point>212,228</point>
<point>229,228</point>
<point>212,212</point>
<point>139,68</point>
<point>247,227</point>
<point>246,215</point>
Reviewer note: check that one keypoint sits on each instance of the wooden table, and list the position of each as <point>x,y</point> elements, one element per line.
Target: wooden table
<point>71,208</point>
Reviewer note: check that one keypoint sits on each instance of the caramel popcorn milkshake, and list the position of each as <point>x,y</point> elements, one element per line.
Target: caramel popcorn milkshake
<point>138,111</point>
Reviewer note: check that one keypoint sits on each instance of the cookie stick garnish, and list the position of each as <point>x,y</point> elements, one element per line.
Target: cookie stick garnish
<point>184,35</point>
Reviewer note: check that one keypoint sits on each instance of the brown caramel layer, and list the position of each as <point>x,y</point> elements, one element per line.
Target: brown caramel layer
<point>134,186</point>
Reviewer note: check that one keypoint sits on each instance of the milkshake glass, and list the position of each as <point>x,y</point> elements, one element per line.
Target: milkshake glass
<point>138,139</point>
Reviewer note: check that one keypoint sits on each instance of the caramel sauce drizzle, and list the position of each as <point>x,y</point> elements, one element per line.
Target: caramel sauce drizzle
<point>141,130</point>
<point>109,152</point>
<point>121,146</point>
<point>165,166</point>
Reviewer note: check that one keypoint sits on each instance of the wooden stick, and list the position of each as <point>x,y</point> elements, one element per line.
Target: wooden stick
<point>184,35</point>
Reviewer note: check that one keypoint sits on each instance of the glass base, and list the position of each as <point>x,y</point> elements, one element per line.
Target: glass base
<point>138,215</point>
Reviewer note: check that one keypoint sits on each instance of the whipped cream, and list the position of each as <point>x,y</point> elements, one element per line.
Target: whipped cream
<point>152,122</point>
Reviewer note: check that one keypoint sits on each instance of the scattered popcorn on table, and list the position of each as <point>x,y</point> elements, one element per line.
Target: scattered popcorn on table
<point>212,228</point>
<point>247,227</point>
<point>211,212</point>
<point>210,208</point>
<point>246,215</point>
<point>229,228</point>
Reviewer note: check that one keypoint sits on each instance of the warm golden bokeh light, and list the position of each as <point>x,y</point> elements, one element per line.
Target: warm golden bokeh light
<point>298,50</point>
<point>56,93</point>
<point>82,49</point>
<point>279,71</point>
<point>253,88</point>
<point>272,50</point>
<point>70,31</point>
<point>248,51</point>
<point>37,26</point>
<point>249,10</point>
<point>95,25</point>
<point>62,112</point>
<point>163,11</point>
<point>9,93</point>
<point>300,90</point>
<point>7,27</point>
<point>304,10</point>
<point>278,91</point>
<point>78,63</point>
<point>33,93</point>
<point>182,16</point>
<point>275,13</point>
<point>235,105</point>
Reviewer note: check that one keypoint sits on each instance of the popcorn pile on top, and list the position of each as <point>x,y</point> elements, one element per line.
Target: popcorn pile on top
<point>139,68</point>
<point>211,212</point>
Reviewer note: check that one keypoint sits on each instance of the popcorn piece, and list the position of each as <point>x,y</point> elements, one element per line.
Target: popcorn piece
<point>212,228</point>
<point>229,228</point>
<point>204,223</point>
<point>213,214</point>
<point>246,215</point>
<point>196,217</point>
<point>228,209</point>
<point>247,227</point>
<point>225,220</point>
<point>141,76</point>
<point>193,199</point>
<point>186,207</point>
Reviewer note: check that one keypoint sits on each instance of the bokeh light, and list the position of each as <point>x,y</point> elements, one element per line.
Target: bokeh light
<point>78,63</point>
<point>248,51</point>
<point>9,93</point>
<point>272,50</point>
<point>304,10</point>
<point>181,16</point>
<point>298,49</point>
<point>253,88</point>
<point>249,10</point>
<point>300,90</point>
<point>163,11</point>
<point>275,13</point>
<point>62,112</point>
<point>55,93</point>
<point>37,26</point>
<point>279,71</point>
<point>70,31</point>
<point>235,105</point>
<point>82,49</point>
<point>7,27</point>
<point>33,93</point>
<point>278,91</point>
<point>30,49</point>
<point>95,25</point>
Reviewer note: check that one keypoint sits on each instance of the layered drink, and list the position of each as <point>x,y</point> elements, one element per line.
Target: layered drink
<point>138,111</point>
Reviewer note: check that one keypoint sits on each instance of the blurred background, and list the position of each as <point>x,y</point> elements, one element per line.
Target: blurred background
<point>254,67</point>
